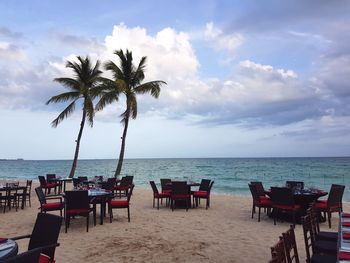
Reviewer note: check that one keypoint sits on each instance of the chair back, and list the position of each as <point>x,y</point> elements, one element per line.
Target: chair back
<point>78,199</point>
<point>259,188</point>
<point>29,186</point>
<point>165,184</point>
<point>129,194</point>
<point>282,196</point>
<point>295,184</point>
<point>41,196</point>
<point>290,245</point>
<point>254,193</point>
<point>82,179</point>
<point>76,182</point>
<point>129,179</point>
<point>50,176</point>
<point>110,184</point>
<point>42,180</point>
<point>309,237</point>
<point>210,187</point>
<point>179,188</point>
<point>335,196</point>
<point>315,225</point>
<point>45,232</point>
<point>278,254</point>
<point>204,186</point>
<point>154,188</point>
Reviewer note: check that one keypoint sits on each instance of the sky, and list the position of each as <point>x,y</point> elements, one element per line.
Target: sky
<point>244,78</point>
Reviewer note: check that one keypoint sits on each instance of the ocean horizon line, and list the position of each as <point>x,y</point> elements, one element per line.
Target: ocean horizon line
<point>178,158</point>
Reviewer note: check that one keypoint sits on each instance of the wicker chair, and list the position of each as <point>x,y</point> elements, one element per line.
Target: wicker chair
<point>258,201</point>
<point>120,203</point>
<point>157,195</point>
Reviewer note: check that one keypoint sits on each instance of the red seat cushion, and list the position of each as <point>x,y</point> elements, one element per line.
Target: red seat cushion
<point>200,194</point>
<point>121,188</point>
<point>77,211</point>
<point>50,185</point>
<point>286,207</point>
<point>52,206</point>
<point>265,202</point>
<point>119,203</point>
<point>166,191</point>
<point>324,205</point>
<point>264,197</point>
<point>160,195</point>
<point>45,259</point>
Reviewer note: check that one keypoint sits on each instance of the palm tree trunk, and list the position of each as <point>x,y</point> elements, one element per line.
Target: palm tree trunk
<point>122,148</point>
<point>75,160</point>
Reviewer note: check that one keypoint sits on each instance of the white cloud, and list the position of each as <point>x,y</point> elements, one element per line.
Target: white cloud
<point>222,41</point>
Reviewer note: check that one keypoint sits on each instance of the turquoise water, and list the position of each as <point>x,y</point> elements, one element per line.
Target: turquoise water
<point>231,175</point>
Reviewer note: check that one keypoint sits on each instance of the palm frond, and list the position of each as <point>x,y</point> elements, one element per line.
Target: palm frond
<point>106,98</point>
<point>116,71</point>
<point>64,114</point>
<point>74,95</point>
<point>68,83</point>
<point>132,106</point>
<point>152,87</point>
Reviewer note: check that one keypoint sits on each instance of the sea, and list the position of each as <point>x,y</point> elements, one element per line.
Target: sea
<point>231,175</point>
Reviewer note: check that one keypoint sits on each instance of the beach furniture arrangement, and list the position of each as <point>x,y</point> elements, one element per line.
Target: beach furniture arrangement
<point>178,193</point>
<point>78,203</point>
<point>46,202</point>
<point>44,238</point>
<point>23,195</point>
<point>292,202</point>
<point>333,202</point>
<point>11,195</point>
<point>159,195</point>
<point>120,203</point>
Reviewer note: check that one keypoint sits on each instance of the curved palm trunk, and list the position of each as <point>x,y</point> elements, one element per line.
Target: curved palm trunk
<point>75,160</point>
<point>122,148</point>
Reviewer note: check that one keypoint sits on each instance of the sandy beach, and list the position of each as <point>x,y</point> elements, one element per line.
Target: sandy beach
<point>223,233</point>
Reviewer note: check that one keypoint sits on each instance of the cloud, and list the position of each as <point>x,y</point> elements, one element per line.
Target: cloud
<point>6,32</point>
<point>10,51</point>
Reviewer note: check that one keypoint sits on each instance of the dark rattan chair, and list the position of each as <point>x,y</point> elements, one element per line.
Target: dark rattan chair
<point>312,254</point>
<point>46,185</point>
<point>120,203</point>
<point>124,185</point>
<point>290,245</point>
<point>283,201</point>
<point>258,201</point>
<point>165,185</point>
<point>202,193</point>
<point>157,195</point>
<point>259,188</point>
<point>320,235</point>
<point>77,203</point>
<point>45,233</point>
<point>333,202</point>
<point>46,206</point>
<point>180,192</point>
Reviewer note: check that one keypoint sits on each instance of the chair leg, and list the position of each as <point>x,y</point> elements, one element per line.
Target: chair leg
<point>129,211</point>
<point>87,222</point>
<point>110,215</point>
<point>253,207</point>
<point>329,219</point>
<point>153,201</point>
<point>259,214</point>
<point>157,203</point>
<point>274,216</point>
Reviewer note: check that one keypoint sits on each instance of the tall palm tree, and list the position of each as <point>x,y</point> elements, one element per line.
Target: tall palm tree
<point>87,78</point>
<point>127,80</point>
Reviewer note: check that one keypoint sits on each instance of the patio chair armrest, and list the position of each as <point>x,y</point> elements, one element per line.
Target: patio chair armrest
<point>20,237</point>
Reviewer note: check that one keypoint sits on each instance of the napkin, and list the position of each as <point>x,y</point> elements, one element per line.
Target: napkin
<point>344,255</point>
<point>3,240</point>
<point>346,235</point>
<point>346,224</point>
<point>345,215</point>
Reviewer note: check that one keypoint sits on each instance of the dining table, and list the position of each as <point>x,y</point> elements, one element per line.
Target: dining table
<point>62,181</point>
<point>8,188</point>
<point>8,248</point>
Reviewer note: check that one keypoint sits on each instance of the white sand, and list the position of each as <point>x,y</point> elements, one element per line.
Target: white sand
<point>223,233</point>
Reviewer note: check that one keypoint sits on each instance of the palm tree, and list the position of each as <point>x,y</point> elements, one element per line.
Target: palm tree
<point>127,80</point>
<point>87,78</point>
